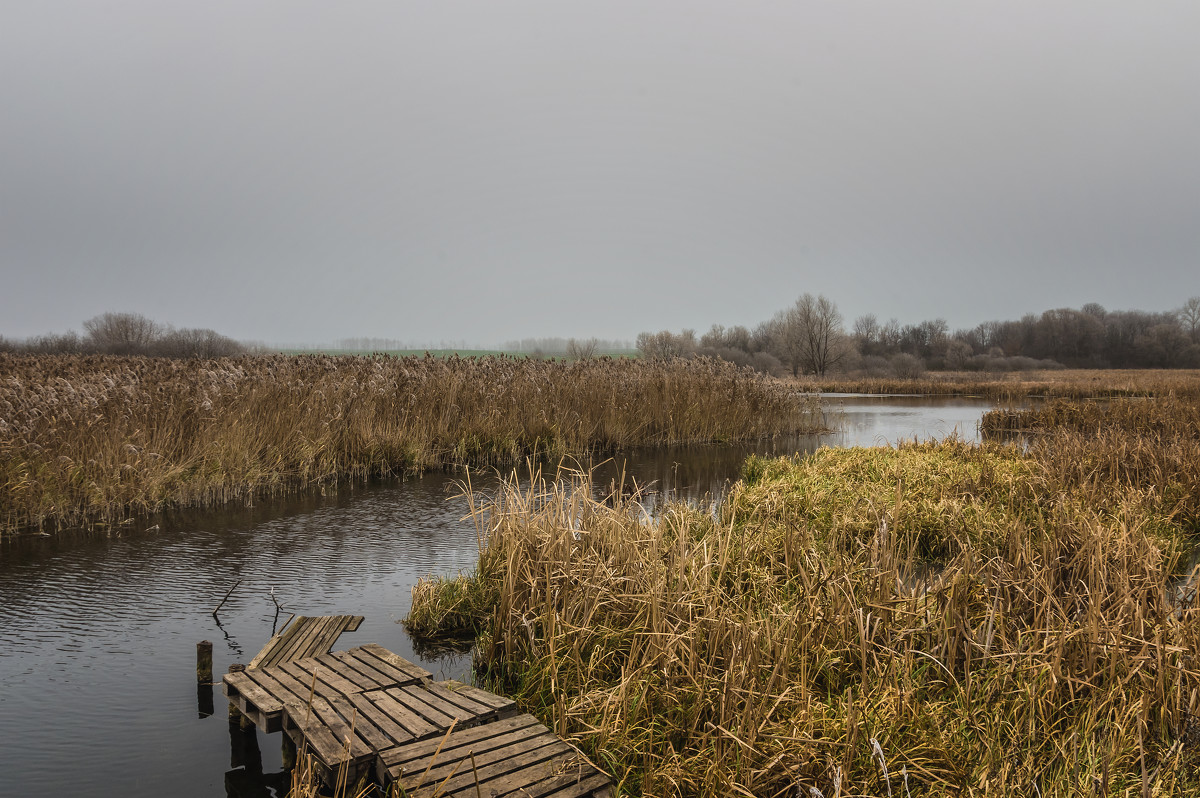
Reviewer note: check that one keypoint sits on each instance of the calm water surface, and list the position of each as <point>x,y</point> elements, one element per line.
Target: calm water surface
<point>98,632</point>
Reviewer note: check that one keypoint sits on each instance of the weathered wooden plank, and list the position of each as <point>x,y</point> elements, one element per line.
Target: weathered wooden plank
<point>301,645</point>
<point>272,654</point>
<point>441,765</point>
<point>346,624</point>
<point>348,673</point>
<point>396,660</point>
<point>380,679</point>
<point>416,755</point>
<point>284,688</point>
<point>303,642</point>
<point>451,709</point>
<point>394,675</point>
<point>370,707</point>
<point>375,738</point>
<point>410,720</point>
<point>497,702</point>
<point>571,786</point>
<point>527,773</point>
<point>241,684</point>
<point>502,770</point>
<point>305,637</point>
<point>461,700</point>
<point>277,641</point>
<point>384,722</point>
<point>410,697</point>
<point>340,728</point>
<point>329,681</point>
<point>313,732</point>
<point>504,759</point>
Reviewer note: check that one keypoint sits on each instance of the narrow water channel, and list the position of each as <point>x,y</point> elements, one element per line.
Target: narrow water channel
<point>98,632</point>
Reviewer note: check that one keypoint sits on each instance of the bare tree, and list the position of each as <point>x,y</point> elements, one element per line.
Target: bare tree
<point>866,334</point>
<point>582,350</point>
<point>1189,318</point>
<point>202,343</point>
<point>810,336</point>
<point>122,333</point>
<point>666,345</point>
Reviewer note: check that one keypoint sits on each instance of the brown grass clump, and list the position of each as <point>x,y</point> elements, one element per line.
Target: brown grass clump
<point>941,619</point>
<point>87,439</point>
<point>1149,447</point>
<point>1068,383</point>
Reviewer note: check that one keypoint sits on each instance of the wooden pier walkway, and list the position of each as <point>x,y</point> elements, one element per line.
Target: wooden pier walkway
<point>369,713</point>
<point>305,637</point>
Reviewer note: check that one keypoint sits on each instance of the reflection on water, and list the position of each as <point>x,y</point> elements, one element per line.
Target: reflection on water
<point>98,632</point>
<point>888,420</point>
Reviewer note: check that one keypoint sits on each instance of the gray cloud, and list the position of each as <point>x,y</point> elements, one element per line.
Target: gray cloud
<point>486,171</point>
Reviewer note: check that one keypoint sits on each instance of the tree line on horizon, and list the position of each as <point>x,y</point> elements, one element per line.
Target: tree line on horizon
<point>810,337</point>
<point>128,334</point>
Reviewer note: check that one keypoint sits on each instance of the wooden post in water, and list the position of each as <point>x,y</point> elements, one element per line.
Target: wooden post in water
<point>243,749</point>
<point>204,700</point>
<point>365,779</point>
<point>288,753</point>
<point>204,662</point>
<point>235,714</point>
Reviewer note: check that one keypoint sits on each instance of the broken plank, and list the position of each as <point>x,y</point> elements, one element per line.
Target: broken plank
<point>276,641</point>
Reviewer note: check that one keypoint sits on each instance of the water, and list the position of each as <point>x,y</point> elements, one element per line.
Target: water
<point>98,632</point>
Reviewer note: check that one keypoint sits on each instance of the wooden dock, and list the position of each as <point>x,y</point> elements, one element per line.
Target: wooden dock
<point>369,713</point>
<point>305,637</point>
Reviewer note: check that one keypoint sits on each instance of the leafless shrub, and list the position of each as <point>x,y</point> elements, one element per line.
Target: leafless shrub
<point>201,343</point>
<point>582,350</point>
<point>766,363</point>
<point>666,345</point>
<point>122,333</point>
<point>907,367</point>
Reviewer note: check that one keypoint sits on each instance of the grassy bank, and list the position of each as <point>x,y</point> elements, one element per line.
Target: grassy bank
<point>87,439</point>
<point>938,619</point>
<point>1067,383</point>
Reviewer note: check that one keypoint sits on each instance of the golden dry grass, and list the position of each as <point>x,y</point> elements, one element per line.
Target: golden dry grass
<point>1066,383</point>
<point>87,439</point>
<point>938,619</point>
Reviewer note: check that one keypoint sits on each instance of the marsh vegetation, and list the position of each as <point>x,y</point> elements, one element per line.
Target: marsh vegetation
<point>94,438</point>
<point>934,619</point>
<point>1019,385</point>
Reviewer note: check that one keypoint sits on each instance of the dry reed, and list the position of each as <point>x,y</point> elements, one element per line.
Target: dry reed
<point>94,439</point>
<point>938,619</point>
<point>1012,386</point>
<point>1149,447</point>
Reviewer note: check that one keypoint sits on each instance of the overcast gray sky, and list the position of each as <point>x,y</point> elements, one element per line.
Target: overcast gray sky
<point>305,171</point>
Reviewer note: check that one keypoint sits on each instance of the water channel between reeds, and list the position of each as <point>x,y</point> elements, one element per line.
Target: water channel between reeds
<point>98,631</point>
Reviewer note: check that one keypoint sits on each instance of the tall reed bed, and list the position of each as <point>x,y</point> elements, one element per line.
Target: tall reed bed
<point>1145,447</point>
<point>938,619</point>
<point>87,439</point>
<point>1070,383</point>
